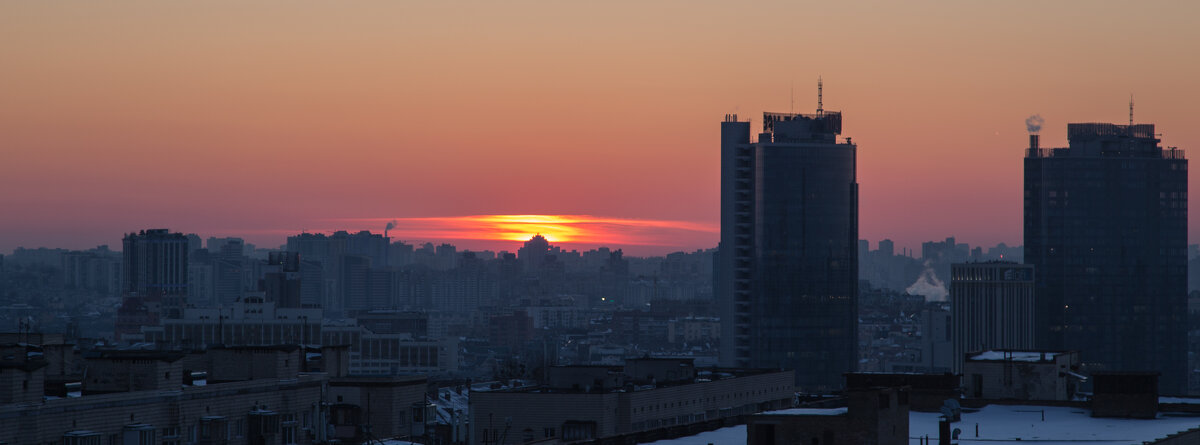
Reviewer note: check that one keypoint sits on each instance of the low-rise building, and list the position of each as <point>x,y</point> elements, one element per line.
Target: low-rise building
<point>927,392</point>
<point>1125,394</point>
<point>589,403</point>
<point>872,416</point>
<point>369,408</point>
<point>1021,375</point>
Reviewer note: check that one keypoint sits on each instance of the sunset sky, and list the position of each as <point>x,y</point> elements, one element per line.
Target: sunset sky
<point>262,119</point>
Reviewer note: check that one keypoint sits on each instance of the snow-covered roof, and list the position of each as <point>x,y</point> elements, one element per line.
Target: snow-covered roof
<point>1015,424</point>
<point>809,412</point>
<point>1182,400</point>
<point>1016,356</point>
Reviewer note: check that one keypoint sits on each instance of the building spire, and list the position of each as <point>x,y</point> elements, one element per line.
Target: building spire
<point>820,106</point>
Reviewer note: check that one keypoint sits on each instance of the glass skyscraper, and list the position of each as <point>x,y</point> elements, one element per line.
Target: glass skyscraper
<point>1106,229</point>
<point>788,261</point>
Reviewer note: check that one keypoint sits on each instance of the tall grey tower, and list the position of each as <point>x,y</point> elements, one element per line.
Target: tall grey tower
<point>787,278</point>
<point>1106,230</point>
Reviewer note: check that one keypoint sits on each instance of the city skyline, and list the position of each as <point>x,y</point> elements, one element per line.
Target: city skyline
<point>290,116</point>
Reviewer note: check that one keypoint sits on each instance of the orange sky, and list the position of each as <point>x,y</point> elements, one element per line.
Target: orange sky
<point>261,118</point>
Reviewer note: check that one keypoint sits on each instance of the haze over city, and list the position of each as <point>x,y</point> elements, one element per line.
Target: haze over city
<point>278,118</point>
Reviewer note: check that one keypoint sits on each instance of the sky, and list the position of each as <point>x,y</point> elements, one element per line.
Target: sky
<point>262,119</point>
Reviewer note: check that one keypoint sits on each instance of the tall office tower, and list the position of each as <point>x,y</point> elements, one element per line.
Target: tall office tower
<point>1106,229</point>
<point>993,308</point>
<point>788,261</point>
<point>154,279</point>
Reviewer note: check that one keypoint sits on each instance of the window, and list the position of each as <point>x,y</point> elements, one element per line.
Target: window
<point>288,435</point>
<point>575,430</point>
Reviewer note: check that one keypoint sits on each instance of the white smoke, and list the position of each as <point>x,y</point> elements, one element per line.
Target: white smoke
<point>929,286</point>
<point>1034,123</point>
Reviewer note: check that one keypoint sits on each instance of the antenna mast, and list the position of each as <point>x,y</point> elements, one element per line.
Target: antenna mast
<point>820,106</point>
<point>1131,109</point>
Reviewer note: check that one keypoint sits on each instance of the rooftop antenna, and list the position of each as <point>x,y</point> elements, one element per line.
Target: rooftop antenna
<point>820,106</point>
<point>1130,109</point>
<point>792,92</point>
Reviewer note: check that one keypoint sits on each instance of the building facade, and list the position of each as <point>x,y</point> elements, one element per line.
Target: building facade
<point>1106,229</point>
<point>1021,375</point>
<point>599,402</point>
<point>787,269</point>
<point>154,279</point>
<point>993,307</point>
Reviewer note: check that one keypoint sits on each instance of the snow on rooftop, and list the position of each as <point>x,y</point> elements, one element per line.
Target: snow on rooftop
<point>1000,424</point>
<point>1063,425</point>
<point>1017,356</point>
<point>723,436</point>
<point>809,412</point>
<point>1183,400</point>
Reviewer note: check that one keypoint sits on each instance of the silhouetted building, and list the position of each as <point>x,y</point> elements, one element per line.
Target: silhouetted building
<point>281,279</point>
<point>1106,229</point>
<point>993,306</point>
<point>887,247</point>
<point>154,279</point>
<point>533,253</point>
<point>788,259</point>
<point>228,268</point>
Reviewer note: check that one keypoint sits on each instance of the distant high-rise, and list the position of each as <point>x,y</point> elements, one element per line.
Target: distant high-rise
<point>1106,229</point>
<point>993,308</point>
<point>534,253</point>
<point>281,279</point>
<point>787,266</point>
<point>887,247</point>
<point>154,279</point>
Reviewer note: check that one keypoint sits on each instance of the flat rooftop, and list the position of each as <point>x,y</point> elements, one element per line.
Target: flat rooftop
<point>998,424</point>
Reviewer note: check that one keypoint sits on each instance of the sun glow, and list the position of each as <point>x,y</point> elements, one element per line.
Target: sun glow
<point>569,229</point>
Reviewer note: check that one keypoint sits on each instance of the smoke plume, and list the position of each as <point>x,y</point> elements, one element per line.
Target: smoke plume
<point>929,286</point>
<point>1034,123</point>
<point>390,225</point>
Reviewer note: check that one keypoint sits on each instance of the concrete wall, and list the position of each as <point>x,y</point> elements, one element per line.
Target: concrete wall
<point>391,401</point>
<point>121,375</point>
<point>237,364</point>
<point>1042,380</point>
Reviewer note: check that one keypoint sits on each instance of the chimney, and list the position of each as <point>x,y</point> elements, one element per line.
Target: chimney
<point>1033,141</point>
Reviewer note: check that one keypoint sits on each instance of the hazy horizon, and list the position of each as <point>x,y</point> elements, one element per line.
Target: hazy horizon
<point>257,120</point>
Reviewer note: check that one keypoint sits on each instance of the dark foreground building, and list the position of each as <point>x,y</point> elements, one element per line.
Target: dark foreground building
<point>788,263</point>
<point>1106,229</point>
